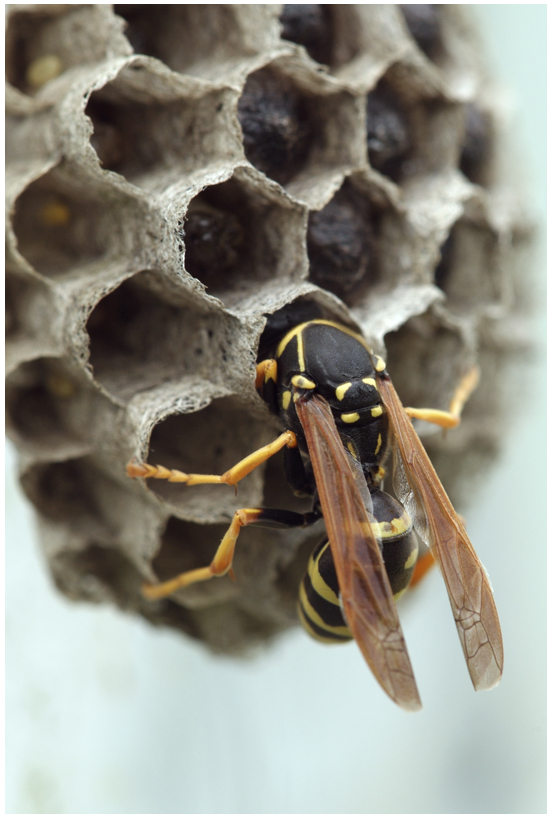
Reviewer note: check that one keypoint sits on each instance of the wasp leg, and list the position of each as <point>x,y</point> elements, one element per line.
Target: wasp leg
<point>265,371</point>
<point>424,563</point>
<point>231,477</point>
<point>266,383</point>
<point>222,562</point>
<point>451,418</point>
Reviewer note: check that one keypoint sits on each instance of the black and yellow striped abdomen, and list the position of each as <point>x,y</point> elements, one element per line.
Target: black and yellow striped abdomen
<point>319,598</point>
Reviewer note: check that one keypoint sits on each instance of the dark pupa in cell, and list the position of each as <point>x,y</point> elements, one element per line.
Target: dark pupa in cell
<point>213,239</point>
<point>275,124</point>
<point>423,22</point>
<point>309,25</point>
<point>388,139</point>
<point>340,245</point>
<point>476,147</point>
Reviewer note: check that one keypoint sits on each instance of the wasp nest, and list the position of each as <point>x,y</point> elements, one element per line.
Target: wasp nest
<point>175,175</point>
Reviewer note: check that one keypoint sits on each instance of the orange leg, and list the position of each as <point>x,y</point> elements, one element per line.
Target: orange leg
<point>231,477</point>
<point>449,419</point>
<point>425,563</point>
<point>264,371</point>
<point>221,564</point>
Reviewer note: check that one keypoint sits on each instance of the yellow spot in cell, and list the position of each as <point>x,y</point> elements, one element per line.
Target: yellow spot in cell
<point>378,444</point>
<point>372,382</point>
<point>286,396</point>
<point>55,214</point>
<point>60,386</point>
<point>350,418</point>
<point>376,411</point>
<point>43,69</point>
<point>303,383</point>
<point>342,389</point>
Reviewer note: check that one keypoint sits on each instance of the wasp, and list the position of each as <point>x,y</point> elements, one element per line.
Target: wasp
<point>342,417</point>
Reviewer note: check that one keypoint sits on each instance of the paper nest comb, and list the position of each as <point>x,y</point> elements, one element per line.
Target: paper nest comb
<point>173,178</point>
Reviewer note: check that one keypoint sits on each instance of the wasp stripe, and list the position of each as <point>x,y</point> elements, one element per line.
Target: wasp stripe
<point>319,605</point>
<point>320,586</point>
<point>298,330</point>
<point>320,634</point>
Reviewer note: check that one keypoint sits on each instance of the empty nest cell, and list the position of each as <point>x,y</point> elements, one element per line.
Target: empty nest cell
<point>209,441</point>
<point>146,131</point>
<point>143,333</point>
<point>61,223</point>
<point>289,130</point>
<point>426,360</point>
<point>469,268</point>
<point>189,38</point>
<point>44,41</point>
<point>52,410</point>
<point>70,492</point>
<point>236,235</point>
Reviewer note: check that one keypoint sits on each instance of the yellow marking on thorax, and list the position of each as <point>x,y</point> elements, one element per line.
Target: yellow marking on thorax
<point>378,444</point>
<point>370,381</point>
<point>350,418</point>
<point>352,450</point>
<point>376,411</point>
<point>379,363</point>
<point>286,396</point>
<point>303,383</point>
<point>298,330</point>
<point>342,389</point>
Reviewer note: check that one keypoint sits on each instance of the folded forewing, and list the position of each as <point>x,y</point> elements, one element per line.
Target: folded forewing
<point>467,582</point>
<point>367,598</point>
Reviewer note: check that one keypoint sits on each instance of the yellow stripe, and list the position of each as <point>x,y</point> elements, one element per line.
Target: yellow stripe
<point>318,583</point>
<point>316,618</point>
<point>342,389</point>
<point>379,363</point>
<point>299,329</point>
<point>378,443</point>
<point>303,383</point>
<point>286,396</point>
<point>412,558</point>
<point>395,527</point>
<point>308,628</point>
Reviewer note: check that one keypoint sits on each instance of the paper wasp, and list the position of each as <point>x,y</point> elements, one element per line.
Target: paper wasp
<point>342,416</point>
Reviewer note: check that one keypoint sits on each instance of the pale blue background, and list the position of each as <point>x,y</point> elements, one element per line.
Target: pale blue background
<point>105,714</point>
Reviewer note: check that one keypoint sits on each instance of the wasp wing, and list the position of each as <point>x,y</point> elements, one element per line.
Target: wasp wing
<point>366,595</point>
<point>435,519</point>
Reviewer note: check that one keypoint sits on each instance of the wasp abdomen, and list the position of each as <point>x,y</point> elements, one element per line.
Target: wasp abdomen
<point>319,600</point>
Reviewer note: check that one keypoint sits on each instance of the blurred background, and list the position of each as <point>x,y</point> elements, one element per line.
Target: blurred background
<point>107,714</point>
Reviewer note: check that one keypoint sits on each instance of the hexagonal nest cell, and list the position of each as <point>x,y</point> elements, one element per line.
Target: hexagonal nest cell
<point>233,236</point>
<point>144,128</point>
<point>173,212</point>
<point>62,224</point>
